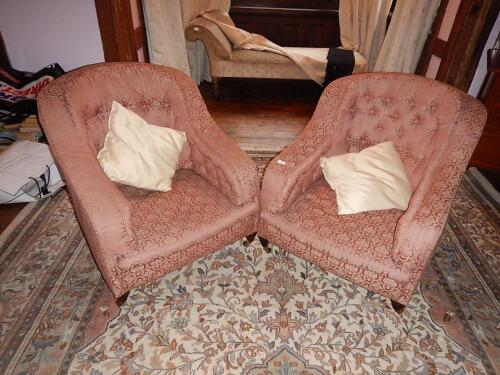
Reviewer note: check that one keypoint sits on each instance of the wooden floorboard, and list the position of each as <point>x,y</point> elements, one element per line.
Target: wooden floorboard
<point>8,212</point>
<point>262,115</point>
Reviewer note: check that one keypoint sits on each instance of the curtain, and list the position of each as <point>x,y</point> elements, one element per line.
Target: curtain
<point>165,32</point>
<point>196,52</point>
<point>362,26</point>
<point>410,24</point>
<point>199,65</point>
<point>165,22</point>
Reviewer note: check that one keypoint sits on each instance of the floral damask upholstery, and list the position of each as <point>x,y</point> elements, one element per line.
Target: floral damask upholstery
<point>136,235</point>
<point>434,128</point>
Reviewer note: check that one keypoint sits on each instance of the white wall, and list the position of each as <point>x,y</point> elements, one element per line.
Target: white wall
<point>39,32</point>
<point>481,70</point>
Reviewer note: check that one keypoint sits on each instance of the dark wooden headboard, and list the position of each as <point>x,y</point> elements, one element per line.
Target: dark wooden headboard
<point>290,23</point>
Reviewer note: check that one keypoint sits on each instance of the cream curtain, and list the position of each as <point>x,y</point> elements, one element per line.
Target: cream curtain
<point>199,65</point>
<point>166,41</point>
<point>410,24</point>
<point>362,26</point>
<point>196,52</point>
<point>165,21</point>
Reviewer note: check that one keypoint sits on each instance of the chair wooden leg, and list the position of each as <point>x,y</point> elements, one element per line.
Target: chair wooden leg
<point>398,307</point>
<point>216,86</point>
<point>122,299</point>
<point>264,243</point>
<point>249,239</point>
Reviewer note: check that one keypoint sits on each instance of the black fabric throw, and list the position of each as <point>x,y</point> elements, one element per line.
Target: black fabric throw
<point>340,63</point>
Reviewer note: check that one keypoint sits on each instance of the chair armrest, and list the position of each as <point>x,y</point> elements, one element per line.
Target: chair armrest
<point>419,229</point>
<point>292,172</point>
<point>101,208</point>
<point>214,155</point>
<point>102,211</point>
<point>297,166</point>
<point>211,35</point>
<point>219,160</point>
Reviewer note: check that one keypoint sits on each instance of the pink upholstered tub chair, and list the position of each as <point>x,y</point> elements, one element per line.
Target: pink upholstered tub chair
<point>434,128</point>
<point>136,235</point>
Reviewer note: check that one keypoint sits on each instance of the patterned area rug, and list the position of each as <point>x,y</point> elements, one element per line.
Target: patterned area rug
<point>245,310</point>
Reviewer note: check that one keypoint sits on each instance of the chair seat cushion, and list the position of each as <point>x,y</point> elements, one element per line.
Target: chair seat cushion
<point>361,241</point>
<point>194,210</point>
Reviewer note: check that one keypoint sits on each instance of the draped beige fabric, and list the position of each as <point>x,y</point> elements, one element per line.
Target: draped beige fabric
<point>362,26</point>
<point>241,39</point>
<point>410,24</point>
<point>165,31</point>
<point>193,8</point>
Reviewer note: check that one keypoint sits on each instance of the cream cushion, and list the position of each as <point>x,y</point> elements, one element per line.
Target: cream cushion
<point>139,154</point>
<point>373,179</point>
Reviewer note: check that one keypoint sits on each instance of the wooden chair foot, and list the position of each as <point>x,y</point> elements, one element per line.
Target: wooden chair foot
<point>249,239</point>
<point>264,242</point>
<point>398,307</point>
<point>216,87</point>
<point>122,299</point>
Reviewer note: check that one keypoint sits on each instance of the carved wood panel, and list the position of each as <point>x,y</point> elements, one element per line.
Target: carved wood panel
<point>290,23</point>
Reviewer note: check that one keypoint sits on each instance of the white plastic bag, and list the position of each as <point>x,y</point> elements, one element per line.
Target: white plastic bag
<point>27,173</point>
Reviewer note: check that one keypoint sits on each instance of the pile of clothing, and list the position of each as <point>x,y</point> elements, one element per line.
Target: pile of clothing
<point>27,169</point>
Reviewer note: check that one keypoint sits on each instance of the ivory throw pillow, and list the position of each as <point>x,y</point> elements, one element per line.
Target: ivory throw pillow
<point>139,154</point>
<point>372,179</point>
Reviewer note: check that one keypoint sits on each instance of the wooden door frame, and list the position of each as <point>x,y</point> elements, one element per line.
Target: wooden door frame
<point>120,40</point>
<point>460,54</point>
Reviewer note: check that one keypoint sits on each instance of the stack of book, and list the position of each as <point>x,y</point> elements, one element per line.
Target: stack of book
<point>30,125</point>
<point>29,130</point>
